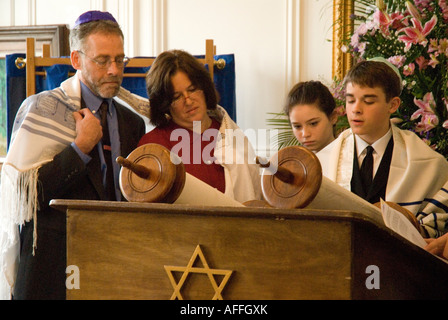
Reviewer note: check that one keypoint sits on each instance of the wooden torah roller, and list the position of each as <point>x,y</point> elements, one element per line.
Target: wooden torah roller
<point>149,175</point>
<point>297,182</point>
<point>293,179</point>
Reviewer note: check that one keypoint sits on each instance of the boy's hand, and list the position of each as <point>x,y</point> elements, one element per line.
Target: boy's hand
<point>438,246</point>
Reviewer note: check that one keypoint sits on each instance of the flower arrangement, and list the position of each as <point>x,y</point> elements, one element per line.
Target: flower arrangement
<point>412,35</point>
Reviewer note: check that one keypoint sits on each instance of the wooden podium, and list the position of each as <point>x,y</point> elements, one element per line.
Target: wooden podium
<point>163,251</point>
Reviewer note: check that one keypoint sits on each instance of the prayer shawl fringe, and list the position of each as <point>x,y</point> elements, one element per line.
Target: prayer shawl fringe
<point>19,196</point>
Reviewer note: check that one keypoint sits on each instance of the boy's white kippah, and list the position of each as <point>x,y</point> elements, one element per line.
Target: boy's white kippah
<point>381,59</point>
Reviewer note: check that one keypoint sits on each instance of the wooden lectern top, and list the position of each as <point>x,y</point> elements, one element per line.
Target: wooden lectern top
<point>166,251</point>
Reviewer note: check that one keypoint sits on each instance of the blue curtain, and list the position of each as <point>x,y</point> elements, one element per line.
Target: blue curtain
<point>55,75</point>
<point>225,84</point>
<point>136,85</point>
<point>16,84</point>
<point>15,90</point>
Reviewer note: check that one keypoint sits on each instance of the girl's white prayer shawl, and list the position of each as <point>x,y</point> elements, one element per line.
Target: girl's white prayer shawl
<point>43,127</point>
<point>418,176</point>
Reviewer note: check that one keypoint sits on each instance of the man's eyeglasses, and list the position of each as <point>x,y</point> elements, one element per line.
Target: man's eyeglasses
<point>105,63</point>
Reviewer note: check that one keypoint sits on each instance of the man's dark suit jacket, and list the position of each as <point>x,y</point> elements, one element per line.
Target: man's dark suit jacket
<point>42,276</point>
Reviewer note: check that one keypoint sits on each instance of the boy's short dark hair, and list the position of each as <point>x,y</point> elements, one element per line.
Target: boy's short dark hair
<point>375,74</point>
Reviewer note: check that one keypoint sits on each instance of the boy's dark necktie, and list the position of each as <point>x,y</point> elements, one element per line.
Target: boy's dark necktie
<point>366,171</point>
<point>110,185</point>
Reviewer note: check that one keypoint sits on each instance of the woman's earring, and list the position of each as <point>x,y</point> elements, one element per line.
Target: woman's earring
<point>167,116</point>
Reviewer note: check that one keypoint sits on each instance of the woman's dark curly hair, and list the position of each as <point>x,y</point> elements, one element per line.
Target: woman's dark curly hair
<point>160,88</point>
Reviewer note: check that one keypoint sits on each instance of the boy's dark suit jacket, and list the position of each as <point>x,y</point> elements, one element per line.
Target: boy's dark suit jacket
<point>42,276</point>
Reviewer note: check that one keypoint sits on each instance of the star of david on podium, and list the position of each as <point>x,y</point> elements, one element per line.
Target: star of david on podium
<point>190,269</point>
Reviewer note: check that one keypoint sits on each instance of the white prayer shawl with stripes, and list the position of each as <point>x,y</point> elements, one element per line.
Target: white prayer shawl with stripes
<point>418,177</point>
<point>43,127</point>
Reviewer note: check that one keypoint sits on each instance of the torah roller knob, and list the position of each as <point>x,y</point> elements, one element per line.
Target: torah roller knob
<point>149,175</point>
<point>292,178</point>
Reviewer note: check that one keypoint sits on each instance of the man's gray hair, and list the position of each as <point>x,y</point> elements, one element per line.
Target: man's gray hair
<point>79,34</point>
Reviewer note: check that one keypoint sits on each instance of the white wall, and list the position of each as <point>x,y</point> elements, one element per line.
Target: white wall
<point>254,30</point>
<point>276,42</point>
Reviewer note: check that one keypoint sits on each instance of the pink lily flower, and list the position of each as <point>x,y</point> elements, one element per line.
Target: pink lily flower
<point>417,34</point>
<point>426,110</point>
<point>445,123</point>
<point>382,21</point>
<point>433,45</point>
<point>433,62</point>
<point>398,21</point>
<point>397,61</point>
<point>413,10</point>
<point>409,69</point>
<point>444,6</point>
<point>422,63</point>
<point>426,105</point>
<point>443,46</point>
<point>428,122</point>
